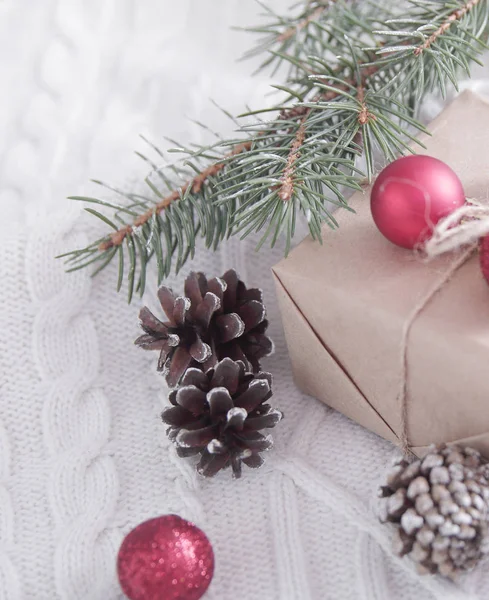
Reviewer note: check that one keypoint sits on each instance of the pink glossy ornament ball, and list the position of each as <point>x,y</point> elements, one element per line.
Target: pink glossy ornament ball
<point>166,558</point>
<point>411,195</point>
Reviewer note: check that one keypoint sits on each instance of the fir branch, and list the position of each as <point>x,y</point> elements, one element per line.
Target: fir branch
<point>457,15</point>
<point>304,22</point>
<point>301,109</point>
<point>347,98</point>
<point>286,186</point>
<point>458,37</point>
<point>195,185</point>
<point>316,29</point>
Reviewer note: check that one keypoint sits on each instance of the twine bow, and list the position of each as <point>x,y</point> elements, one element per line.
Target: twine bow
<point>464,226</point>
<point>461,230</point>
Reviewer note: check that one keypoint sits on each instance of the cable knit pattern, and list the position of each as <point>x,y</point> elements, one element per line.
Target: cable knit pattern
<point>83,486</point>
<point>285,520</point>
<point>83,453</point>
<point>9,578</point>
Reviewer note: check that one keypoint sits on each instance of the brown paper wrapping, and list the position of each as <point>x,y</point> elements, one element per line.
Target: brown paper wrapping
<point>344,305</point>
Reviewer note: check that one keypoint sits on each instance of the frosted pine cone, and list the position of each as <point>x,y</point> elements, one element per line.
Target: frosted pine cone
<point>216,318</point>
<point>440,504</point>
<point>237,328</point>
<point>247,303</point>
<point>219,415</point>
<point>181,340</point>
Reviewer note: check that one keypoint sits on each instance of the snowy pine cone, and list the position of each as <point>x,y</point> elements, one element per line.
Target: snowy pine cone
<point>220,414</point>
<point>440,504</point>
<point>216,318</point>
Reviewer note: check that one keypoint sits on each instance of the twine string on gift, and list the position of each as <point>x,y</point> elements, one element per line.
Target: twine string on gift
<point>466,225</point>
<point>462,229</point>
<point>418,309</point>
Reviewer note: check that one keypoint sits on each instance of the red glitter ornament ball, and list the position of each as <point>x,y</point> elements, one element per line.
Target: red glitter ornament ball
<point>411,195</point>
<point>166,558</point>
<point>484,256</point>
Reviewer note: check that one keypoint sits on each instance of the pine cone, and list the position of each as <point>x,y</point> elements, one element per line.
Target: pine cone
<point>219,415</point>
<point>251,345</point>
<point>216,318</point>
<point>441,504</point>
<point>180,340</point>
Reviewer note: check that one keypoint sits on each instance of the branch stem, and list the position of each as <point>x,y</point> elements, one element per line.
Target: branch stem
<point>286,189</point>
<point>364,116</point>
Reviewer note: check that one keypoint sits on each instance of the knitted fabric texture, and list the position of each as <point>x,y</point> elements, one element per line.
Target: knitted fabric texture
<point>83,453</point>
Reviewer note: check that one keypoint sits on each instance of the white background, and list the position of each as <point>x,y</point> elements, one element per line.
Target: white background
<point>83,455</point>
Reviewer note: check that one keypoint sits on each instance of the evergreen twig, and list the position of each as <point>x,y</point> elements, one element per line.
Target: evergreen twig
<point>357,93</point>
<point>195,185</point>
<point>456,15</point>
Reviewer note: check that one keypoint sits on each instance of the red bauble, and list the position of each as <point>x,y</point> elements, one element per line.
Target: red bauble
<point>411,195</point>
<point>484,256</point>
<point>166,558</point>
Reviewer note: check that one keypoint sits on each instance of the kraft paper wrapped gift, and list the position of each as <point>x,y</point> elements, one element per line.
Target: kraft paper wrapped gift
<point>345,303</point>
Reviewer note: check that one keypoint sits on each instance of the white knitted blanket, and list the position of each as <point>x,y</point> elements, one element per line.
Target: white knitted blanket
<point>83,453</point>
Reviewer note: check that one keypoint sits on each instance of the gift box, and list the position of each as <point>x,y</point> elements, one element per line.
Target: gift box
<point>345,305</point>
